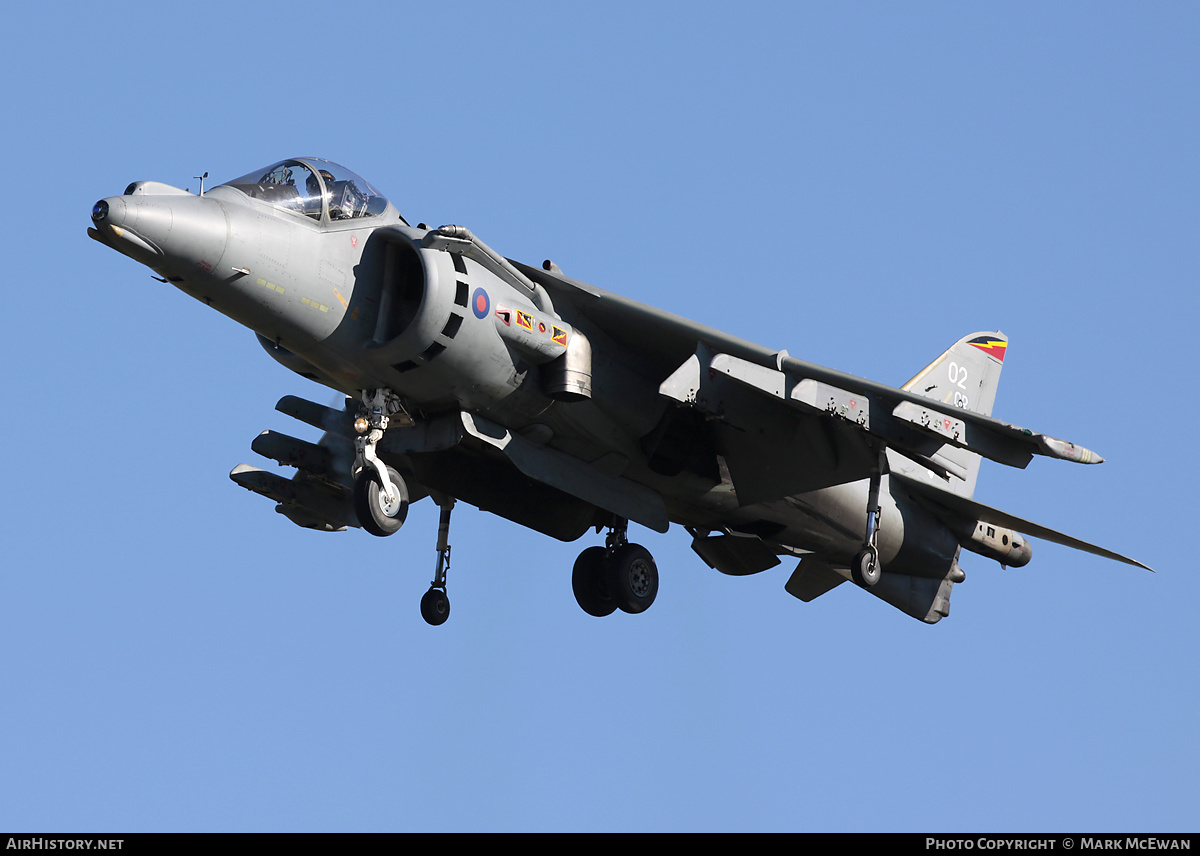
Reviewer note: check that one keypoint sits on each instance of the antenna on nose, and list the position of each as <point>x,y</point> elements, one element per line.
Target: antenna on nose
<point>201,177</point>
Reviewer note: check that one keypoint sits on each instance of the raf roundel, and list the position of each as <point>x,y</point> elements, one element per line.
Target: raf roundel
<point>480,303</point>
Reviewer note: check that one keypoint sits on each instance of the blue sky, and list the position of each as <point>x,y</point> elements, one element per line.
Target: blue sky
<point>858,183</point>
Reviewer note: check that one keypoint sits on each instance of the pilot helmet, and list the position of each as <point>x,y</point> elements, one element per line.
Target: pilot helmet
<point>314,186</point>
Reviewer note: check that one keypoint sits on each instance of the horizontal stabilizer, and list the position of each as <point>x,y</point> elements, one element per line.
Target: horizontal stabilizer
<point>969,509</point>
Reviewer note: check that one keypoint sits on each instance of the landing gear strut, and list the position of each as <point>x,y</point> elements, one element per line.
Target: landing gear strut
<point>380,494</point>
<point>619,575</point>
<point>866,568</point>
<point>435,604</point>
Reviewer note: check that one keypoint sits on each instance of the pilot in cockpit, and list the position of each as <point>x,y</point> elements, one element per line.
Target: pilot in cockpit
<point>313,185</point>
<point>335,192</point>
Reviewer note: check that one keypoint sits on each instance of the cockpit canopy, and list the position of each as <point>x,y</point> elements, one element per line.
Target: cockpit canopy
<point>312,187</point>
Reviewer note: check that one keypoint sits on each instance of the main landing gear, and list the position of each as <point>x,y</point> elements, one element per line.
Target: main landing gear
<point>619,575</point>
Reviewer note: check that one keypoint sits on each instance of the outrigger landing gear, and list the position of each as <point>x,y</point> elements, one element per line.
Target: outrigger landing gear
<point>618,575</point>
<point>866,568</point>
<point>435,604</point>
<point>380,494</point>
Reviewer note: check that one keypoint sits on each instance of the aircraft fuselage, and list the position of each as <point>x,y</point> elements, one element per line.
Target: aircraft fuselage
<point>561,406</point>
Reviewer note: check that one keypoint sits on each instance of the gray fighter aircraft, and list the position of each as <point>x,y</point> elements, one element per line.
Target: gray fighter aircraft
<point>563,407</point>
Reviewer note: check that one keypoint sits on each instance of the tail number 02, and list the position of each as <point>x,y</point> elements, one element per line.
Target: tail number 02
<point>958,378</point>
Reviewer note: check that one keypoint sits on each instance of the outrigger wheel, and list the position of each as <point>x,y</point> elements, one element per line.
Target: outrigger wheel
<point>435,606</point>
<point>866,568</point>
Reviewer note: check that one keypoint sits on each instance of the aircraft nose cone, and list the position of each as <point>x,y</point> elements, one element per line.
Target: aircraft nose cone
<point>169,230</point>
<point>115,227</point>
<point>109,212</point>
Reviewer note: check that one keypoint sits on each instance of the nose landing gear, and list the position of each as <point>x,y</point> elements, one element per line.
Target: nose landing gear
<point>380,494</point>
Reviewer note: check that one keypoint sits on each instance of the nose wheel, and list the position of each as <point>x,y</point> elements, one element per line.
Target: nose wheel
<point>435,606</point>
<point>380,509</point>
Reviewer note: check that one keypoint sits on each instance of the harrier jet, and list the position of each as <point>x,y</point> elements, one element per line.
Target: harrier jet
<point>566,408</point>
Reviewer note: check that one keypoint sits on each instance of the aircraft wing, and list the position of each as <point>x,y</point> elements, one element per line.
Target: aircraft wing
<point>748,385</point>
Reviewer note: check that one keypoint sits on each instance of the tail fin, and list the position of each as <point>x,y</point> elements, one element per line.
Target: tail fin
<point>966,376</point>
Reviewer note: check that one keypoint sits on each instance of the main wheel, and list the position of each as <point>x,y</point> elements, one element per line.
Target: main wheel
<point>866,569</point>
<point>375,512</point>
<point>632,578</point>
<point>435,607</point>
<point>589,583</point>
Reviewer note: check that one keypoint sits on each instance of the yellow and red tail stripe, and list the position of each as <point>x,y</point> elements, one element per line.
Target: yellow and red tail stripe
<point>992,346</point>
